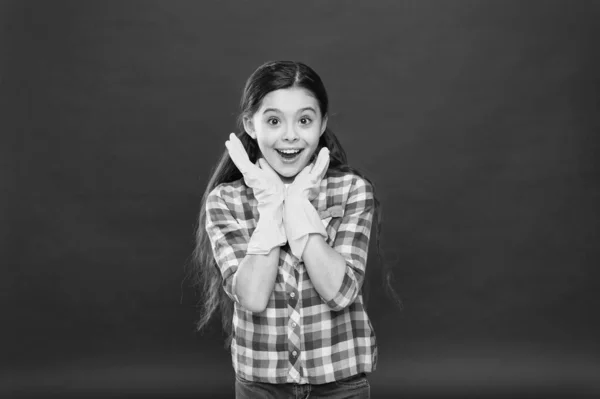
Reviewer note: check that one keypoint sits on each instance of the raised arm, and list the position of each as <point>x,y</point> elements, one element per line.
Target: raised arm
<point>250,262</point>
<point>338,272</point>
<point>248,279</point>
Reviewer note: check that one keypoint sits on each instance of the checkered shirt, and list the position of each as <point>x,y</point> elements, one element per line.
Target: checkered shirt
<point>300,337</point>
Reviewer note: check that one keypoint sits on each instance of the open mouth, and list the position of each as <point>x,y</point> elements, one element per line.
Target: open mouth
<point>289,155</point>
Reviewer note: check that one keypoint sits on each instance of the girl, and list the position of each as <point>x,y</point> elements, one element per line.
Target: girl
<point>282,245</point>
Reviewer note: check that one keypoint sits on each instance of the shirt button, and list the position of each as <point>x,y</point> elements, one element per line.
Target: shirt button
<point>294,325</point>
<point>294,353</point>
<point>293,294</point>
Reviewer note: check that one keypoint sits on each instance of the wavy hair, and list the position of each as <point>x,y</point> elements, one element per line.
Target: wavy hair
<point>204,272</point>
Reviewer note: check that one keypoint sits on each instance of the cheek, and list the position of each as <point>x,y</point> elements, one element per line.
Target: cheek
<point>264,140</point>
<point>263,144</point>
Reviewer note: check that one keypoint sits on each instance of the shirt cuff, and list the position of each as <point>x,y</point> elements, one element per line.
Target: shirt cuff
<point>234,288</point>
<point>347,293</point>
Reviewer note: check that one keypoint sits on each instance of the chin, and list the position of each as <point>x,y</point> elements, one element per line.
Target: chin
<point>288,175</point>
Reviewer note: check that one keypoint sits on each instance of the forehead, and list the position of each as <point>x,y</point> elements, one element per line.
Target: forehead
<point>289,100</point>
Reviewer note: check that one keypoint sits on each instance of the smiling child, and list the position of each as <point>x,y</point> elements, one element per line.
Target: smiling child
<point>282,245</point>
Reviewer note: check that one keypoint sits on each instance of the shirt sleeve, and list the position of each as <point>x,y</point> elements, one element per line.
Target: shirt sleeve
<point>352,242</point>
<point>228,239</point>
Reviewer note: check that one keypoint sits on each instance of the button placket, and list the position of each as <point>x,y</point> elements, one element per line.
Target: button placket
<point>294,339</point>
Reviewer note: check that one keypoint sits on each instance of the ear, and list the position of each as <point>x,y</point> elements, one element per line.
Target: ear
<point>249,126</point>
<point>323,125</point>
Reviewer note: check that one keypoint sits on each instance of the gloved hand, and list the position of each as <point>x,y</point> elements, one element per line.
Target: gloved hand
<point>299,216</point>
<point>269,192</point>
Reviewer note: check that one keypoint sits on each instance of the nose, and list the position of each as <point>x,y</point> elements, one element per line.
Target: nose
<point>290,134</point>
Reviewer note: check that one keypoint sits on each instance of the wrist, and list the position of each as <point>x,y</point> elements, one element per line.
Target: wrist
<point>270,230</point>
<point>270,214</point>
<point>301,218</point>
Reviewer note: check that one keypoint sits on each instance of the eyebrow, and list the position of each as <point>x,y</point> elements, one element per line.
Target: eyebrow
<point>302,110</point>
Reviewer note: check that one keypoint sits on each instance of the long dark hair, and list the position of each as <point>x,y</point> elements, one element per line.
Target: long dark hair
<point>204,272</point>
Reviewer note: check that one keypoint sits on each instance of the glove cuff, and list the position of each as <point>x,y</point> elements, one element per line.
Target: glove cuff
<point>301,219</point>
<point>269,232</point>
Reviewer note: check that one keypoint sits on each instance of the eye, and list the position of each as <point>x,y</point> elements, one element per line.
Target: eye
<point>273,121</point>
<point>305,121</point>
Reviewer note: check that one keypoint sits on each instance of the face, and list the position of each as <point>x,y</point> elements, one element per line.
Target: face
<point>287,128</point>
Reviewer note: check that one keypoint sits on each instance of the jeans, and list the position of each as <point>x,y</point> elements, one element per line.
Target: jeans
<point>355,387</point>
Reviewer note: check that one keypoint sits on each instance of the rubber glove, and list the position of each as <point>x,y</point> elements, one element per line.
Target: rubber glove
<point>269,192</point>
<point>299,216</point>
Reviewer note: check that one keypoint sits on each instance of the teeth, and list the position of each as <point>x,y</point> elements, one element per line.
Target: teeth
<point>289,151</point>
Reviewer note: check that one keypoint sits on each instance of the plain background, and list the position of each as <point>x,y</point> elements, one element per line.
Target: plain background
<point>476,120</point>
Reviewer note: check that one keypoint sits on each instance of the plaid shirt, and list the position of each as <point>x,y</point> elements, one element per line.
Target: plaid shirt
<point>300,337</point>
